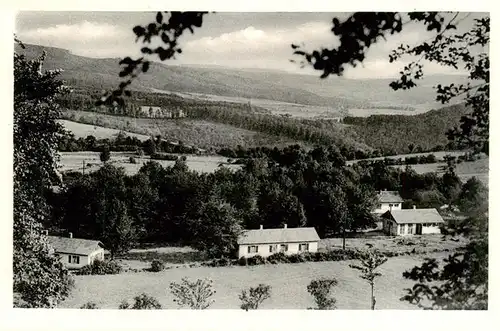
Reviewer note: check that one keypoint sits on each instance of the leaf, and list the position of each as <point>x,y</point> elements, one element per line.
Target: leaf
<point>139,30</point>
<point>159,17</point>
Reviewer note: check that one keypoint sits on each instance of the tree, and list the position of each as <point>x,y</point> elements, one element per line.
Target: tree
<point>105,154</point>
<point>217,229</point>
<point>39,278</point>
<point>461,281</point>
<point>118,232</point>
<point>370,261</point>
<point>320,289</point>
<point>194,295</point>
<point>254,296</point>
<point>473,197</point>
<point>142,301</point>
<point>150,147</point>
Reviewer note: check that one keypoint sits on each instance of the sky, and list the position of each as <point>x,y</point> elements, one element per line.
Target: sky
<point>236,40</point>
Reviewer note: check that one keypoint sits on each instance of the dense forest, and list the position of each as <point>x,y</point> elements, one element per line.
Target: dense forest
<point>398,134</point>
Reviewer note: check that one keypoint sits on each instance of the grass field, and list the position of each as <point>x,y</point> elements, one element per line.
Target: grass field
<point>199,133</point>
<point>72,161</point>
<point>288,282</point>
<point>464,170</point>
<point>81,130</point>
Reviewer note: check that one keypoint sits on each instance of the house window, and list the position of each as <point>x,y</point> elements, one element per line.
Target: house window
<point>73,259</point>
<point>303,247</point>
<point>253,249</point>
<point>396,205</point>
<point>402,229</point>
<point>283,248</point>
<point>273,248</point>
<point>410,228</point>
<point>379,206</point>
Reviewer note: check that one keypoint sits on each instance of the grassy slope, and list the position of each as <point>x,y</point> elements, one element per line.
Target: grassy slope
<point>202,134</point>
<point>288,282</point>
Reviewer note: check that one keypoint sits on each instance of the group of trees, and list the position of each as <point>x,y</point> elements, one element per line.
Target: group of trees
<point>400,134</point>
<point>208,211</point>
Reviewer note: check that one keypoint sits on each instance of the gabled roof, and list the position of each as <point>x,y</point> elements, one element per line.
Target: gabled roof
<point>389,196</point>
<point>74,245</point>
<point>406,216</point>
<point>281,235</point>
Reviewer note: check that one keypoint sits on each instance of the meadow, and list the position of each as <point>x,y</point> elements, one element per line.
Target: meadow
<point>288,282</point>
<point>74,161</point>
<point>81,130</point>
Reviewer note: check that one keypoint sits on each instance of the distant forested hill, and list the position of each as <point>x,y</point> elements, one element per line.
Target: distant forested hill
<point>393,134</point>
<point>335,93</point>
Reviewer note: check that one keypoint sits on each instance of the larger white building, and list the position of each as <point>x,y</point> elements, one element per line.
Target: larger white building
<point>265,242</point>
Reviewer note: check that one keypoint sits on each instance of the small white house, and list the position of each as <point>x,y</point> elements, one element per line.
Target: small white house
<point>412,222</point>
<point>265,242</point>
<point>388,200</point>
<point>76,253</point>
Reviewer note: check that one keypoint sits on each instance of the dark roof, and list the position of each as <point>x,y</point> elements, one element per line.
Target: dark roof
<point>389,196</point>
<point>74,245</point>
<point>281,235</point>
<point>408,216</point>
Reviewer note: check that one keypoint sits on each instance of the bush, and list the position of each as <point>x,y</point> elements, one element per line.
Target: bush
<point>256,260</point>
<point>89,305</point>
<point>100,267</point>
<point>243,261</point>
<point>194,295</point>
<point>142,301</point>
<point>278,258</point>
<point>167,157</point>
<point>320,289</point>
<point>157,266</point>
<point>252,298</point>
<point>132,160</point>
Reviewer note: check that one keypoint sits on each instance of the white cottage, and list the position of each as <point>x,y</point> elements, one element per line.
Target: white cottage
<point>265,242</point>
<point>412,222</point>
<point>388,200</point>
<point>76,253</point>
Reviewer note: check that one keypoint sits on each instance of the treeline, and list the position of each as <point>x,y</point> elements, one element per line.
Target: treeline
<point>400,134</point>
<point>124,143</point>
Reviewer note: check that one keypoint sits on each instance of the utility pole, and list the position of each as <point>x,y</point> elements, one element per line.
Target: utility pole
<point>83,167</point>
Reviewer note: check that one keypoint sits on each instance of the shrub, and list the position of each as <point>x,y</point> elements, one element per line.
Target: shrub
<point>194,295</point>
<point>89,305</point>
<point>278,258</point>
<point>252,298</point>
<point>142,301</point>
<point>100,267</point>
<point>242,261</point>
<point>320,290</point>
<point>167,157</point>
<point>132,160</point>
<point>157,266</point>
<point>256,260</point>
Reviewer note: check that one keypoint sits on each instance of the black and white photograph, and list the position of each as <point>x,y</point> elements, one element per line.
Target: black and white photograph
<point>274,160</point>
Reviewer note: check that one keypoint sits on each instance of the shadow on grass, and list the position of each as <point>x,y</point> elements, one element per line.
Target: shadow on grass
<point>172,257</point>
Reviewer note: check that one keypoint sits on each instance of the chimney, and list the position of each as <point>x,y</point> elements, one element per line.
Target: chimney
<point>261,227</point>
<point>70,234</point>
<point>414,207</point>
<point>285,226</point>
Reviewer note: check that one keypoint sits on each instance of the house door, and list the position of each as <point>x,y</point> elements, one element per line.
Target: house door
<point>418,229</point>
